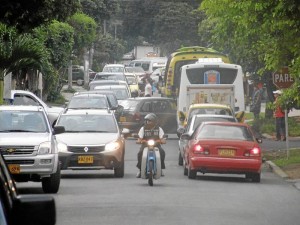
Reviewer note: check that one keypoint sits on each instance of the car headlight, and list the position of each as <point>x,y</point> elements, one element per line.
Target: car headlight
<point>112,146</point>
<point>44,148</point>
<point>62,147</point>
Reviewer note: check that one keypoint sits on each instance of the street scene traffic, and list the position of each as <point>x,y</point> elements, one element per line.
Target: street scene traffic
<point>149,112</point>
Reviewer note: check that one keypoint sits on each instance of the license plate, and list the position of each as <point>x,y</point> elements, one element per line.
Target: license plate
<point>226,152</point>
<point>14,168</point>
<point>122,119</point>
<point>85,159</point>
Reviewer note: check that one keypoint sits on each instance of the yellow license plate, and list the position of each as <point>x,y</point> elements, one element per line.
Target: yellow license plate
<point>122,119</point>
<point>14,168</point>
<point>85,159</point>
<point>226,152</point>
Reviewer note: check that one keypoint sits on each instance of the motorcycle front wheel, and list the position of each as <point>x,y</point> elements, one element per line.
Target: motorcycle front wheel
<point>150,178</point>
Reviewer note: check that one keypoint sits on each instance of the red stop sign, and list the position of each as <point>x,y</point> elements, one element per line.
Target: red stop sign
<point>282,78</point>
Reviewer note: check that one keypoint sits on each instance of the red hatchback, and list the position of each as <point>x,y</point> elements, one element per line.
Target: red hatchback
<point>223,147</point>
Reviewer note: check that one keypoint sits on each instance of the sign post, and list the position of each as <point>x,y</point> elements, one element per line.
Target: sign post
<point>282,79</point>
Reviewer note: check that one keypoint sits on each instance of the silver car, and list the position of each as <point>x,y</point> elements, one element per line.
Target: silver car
<point>92,141</point>
<point>29,146</point>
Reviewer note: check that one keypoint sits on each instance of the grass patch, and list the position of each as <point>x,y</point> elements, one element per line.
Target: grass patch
<point>280,157</point>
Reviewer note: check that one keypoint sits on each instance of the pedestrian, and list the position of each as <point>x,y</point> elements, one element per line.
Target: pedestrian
<point>279,118</point>
<point>256,101</point>
<point>255,108</point>
<point>148,88</point>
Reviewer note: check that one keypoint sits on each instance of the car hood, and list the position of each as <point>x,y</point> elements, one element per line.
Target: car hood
<point>24,138</point>
<point>86,138</point>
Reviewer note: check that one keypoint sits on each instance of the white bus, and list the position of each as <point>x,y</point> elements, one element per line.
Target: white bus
<point>214,71</point>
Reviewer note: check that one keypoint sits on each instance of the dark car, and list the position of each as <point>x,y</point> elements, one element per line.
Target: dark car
<point>135,109</point>
<point>23,209</point>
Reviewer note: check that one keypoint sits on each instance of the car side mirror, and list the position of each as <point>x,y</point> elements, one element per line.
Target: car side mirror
<point>185,136</point>
<point>259,140</point>
<point>59,129</point>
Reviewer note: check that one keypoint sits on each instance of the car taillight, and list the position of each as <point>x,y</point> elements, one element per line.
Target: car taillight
<point>253,152</point>
<point>198,149</point>
<point>136,116</point>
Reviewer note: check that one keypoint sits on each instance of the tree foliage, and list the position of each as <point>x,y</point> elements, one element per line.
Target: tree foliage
<point>26,15</point>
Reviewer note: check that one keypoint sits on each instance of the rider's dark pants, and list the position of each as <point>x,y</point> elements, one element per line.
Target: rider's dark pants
<point>161,152</point>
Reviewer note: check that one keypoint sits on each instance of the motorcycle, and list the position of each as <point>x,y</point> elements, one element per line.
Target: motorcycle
<point>151,164</point>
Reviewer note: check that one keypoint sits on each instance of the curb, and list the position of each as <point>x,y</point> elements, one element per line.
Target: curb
<point>277,170</point>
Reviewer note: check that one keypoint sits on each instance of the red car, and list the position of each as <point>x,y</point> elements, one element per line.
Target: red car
<point>223,147</point>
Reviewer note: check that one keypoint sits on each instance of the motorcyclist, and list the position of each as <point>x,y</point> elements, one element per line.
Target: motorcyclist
<point>150,130</point>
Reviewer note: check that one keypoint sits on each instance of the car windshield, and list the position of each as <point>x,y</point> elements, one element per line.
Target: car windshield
<point>85,102</point>
<point>88,123</point>
<point>224,132</point>
<point>23,121</point>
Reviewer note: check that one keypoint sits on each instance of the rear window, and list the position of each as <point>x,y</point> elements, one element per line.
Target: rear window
<point>213,131</point>
<point>199,120</point>
<point>88,102</point>
<point>110,77</point>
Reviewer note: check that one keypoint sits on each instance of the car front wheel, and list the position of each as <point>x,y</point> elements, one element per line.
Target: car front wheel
<point>51,184</point>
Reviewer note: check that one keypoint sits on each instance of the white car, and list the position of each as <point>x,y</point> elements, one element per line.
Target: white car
<point>29,146</point>
<point>92,140</point>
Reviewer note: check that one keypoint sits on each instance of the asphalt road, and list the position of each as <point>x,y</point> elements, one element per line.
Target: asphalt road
<point>96,197</point>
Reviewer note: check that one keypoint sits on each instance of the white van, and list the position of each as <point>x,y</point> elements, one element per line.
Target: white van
<point>149,64</point>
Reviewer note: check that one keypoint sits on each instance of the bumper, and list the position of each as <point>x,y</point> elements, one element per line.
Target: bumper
<point>105,160</point>
<point>40,164</point>
<point>225,165</point>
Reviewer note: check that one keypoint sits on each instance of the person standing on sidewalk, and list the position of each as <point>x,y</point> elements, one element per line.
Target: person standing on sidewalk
<point>279,118</point>
<point>255,108</point>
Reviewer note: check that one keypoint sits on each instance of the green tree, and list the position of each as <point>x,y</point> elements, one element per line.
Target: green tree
<point>264,35</point>
<point>21,52</point>
<point>26,15</point>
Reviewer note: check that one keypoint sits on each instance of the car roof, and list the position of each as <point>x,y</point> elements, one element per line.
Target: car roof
<point>213,115</point>
<point>226,123</point>
<point>109,73</point>
<point>110,87</point>
<point>209,105</point>
<point>22,108</point>
<point>100,92</point>
<point>80,94</point>
<point>108,81</point>
<point>87,111</point>
<point>149,98</point>
<point>114,65</point>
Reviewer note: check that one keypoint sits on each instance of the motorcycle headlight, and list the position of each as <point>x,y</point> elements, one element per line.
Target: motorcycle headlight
<point>62,147</point>
<point>151,142</point>
<point>112,146</point>
<point>44,148</point>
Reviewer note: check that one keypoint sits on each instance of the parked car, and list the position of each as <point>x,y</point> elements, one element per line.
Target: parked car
<point>192,124</point>
<point>121,91</point>
<point>135,109</point>
<point>21,97</point>
<point>114,68</point>
<point>222,147</point>
<point>88,101</point>
<point>92,140</point>
<point>16,209</point>
<point>29,146</point>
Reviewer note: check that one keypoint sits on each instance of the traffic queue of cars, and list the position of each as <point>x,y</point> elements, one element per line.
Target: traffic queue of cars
<point>90,133</point>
